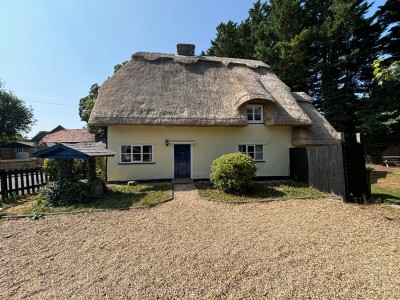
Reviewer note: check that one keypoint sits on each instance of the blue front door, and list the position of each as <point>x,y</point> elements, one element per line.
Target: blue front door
<point>182,161</point>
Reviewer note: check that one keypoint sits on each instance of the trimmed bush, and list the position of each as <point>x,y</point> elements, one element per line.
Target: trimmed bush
<point>233,173</point>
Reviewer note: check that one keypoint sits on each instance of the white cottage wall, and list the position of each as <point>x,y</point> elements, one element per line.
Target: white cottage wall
<point>208,143</point>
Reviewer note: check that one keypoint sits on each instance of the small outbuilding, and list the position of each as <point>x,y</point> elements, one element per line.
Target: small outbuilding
<point>17,150</point>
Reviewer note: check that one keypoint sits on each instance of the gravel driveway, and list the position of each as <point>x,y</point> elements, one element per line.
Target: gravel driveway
<point>191,248</point>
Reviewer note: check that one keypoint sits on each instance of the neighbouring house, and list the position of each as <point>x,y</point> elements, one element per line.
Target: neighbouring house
<point>169,116</point>
<point>70,136</point>
<point>41,134</point>
<point>17,150</point>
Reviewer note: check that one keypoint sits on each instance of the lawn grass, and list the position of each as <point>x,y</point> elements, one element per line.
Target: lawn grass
<point>117,197</point>
<point>262,190</point>
<point>385,184</point>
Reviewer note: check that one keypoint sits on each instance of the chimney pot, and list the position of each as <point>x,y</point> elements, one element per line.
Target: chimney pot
<point>185,49</point>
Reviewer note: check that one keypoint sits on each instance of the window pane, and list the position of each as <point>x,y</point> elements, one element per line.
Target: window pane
<point>147,157</point>
<point>125,149</point>
<point>259,156</point>
<point>250,110</point>
<point>259,148</point>
<point>147,149</point>
<point>136,149</point>
<point>136,157</point>
<point>257,110</point>
<point>249,117</point>
<point>257,117</point>
<point>125,157</point>
<point>242,148</point>
<point>251,155</point>
<point>250,148</point>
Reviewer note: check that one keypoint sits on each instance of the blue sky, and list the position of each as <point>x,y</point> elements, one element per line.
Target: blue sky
<point>52,51</point>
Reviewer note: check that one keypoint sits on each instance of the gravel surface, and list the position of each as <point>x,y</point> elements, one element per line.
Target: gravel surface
<point>191,248</point>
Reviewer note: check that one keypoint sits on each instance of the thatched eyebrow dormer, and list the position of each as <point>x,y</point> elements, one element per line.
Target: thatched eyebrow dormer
<point>167,89</point>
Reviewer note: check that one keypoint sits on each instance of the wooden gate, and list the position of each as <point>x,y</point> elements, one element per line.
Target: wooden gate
<point>338,169</point>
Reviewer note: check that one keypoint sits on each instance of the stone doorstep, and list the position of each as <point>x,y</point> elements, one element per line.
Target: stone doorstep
<point>182,180</point>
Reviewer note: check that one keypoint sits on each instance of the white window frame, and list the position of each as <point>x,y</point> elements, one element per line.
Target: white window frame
<point>255,152</point>
<point>18,150</point>
<point>252,107</point>
<point>141,153</point>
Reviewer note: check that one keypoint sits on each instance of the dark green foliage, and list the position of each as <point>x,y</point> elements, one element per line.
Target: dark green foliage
<point>65,169</point>
<point>380,114</point>
<point>85,108</point>
<point>389,19</point>
<point>233,173</point>
<point>227,42</point>
<point>70,182</point>
<point>119,66</point>
<point>86,105</point>
<point>101,170</point>
<point>15,118</point>
<point>74,169</point>
<point>62,193</point>
<point>323,47</point>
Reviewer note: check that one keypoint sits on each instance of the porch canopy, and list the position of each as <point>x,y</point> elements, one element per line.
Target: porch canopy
<point>73,151</point>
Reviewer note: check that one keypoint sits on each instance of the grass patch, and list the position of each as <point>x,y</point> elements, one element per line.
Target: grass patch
<point>263,190</point>
<point>385,184</point>
<point>117,197</point>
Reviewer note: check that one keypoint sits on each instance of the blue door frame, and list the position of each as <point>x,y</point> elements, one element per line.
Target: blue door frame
<point>182,161</point>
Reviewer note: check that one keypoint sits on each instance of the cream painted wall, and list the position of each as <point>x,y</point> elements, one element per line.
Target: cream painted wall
<point>209,143</point>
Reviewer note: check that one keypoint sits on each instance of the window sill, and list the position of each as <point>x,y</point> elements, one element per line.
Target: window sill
<point>248,122</point>
<point>137,163</point>
<point>259,161</point>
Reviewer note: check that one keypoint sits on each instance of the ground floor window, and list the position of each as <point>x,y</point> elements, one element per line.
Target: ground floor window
<point>136,153</point>
<point>255,151</point>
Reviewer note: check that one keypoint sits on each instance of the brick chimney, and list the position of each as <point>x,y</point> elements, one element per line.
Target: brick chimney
<point>185,49</point>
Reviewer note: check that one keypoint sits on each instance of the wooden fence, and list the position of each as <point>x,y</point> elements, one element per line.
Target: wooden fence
<point>338,169</point>
<point>21,181</point>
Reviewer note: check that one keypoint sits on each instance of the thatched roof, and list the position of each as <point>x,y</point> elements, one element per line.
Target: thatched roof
<point>167,89</point>
<point>320,133</point>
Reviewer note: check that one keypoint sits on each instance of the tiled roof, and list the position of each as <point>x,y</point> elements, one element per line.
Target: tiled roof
<point>70,136</point>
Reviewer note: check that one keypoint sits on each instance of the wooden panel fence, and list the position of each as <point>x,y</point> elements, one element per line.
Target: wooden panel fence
<point>338,169</point>
<point>21,181</point>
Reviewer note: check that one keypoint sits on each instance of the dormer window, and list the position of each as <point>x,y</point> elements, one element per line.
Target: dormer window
<point>254,113</point>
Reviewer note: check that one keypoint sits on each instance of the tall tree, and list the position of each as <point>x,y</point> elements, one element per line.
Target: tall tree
<point>15,118</point>
<point>389,19</point>
<point>345,47</point>
<point>227,41</point>
<point>380,114</point>
<point>284,43</point>
<point>86,105</point>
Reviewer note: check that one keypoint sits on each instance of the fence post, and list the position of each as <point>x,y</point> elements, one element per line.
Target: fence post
<point>3,182</point>
<point>41,175</point>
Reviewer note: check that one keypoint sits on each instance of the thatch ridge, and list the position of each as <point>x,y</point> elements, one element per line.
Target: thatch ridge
<point>152,56</point>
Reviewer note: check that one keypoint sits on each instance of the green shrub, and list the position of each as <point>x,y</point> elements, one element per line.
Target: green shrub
<point>233,173</point>
<point>64,193</point>
<point>101,168</point>
<point>50,168</point>
<point>61,169</point>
